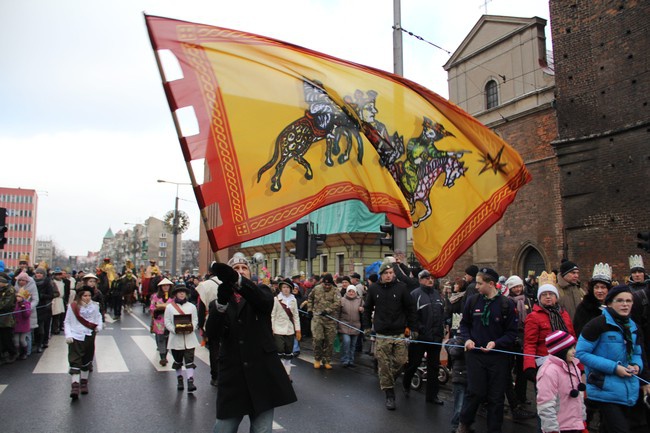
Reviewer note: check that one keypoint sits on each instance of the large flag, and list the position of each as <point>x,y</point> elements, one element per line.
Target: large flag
<point>286,130</point>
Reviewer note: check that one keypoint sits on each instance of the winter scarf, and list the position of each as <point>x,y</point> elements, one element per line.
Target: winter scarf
<point>557,323</point>
<point>624,323</point>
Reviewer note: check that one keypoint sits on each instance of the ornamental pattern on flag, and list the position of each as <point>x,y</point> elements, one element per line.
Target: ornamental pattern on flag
<point>285,130</point>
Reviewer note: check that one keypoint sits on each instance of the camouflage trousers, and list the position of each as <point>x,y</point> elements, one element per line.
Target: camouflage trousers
<point>392,356</point>
<point>323,332</point>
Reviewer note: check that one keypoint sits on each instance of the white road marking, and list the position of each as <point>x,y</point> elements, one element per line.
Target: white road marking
<point>144,325</point>
<point>2,388</point>
<point>55,358</point>
<point>148,346</point>
<point>108,356</point>
<point>131,329</point>
<point>108,318</point>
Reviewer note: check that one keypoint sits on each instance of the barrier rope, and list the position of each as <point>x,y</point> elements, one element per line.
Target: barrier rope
<point>26,309</point>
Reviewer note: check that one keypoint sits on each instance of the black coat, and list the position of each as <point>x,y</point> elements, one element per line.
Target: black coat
<point>586,310</point>
<point>430,313</point>
<point>251,378</point>
<point>45,295</point>
<point>393,307</point>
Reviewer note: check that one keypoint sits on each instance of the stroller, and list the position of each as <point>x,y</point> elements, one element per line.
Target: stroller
<point>420,376</point>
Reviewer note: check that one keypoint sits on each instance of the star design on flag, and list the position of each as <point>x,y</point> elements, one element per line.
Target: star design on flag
<point>493,163</point>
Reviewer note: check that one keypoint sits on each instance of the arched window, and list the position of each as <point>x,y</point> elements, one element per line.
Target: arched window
<point>491,94</point>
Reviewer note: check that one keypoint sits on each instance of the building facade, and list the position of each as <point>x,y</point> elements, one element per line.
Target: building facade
<point>602,87</point>
<point>502,75</point>
<point>22,210</point>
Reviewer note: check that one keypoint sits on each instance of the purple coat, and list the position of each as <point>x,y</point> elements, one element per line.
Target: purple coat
<point>21,314</point>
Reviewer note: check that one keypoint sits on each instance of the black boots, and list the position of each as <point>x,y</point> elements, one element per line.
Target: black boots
<point>74,391</point>
<point>390,399</point>
<point>190,385</point>
<point>180,385</point>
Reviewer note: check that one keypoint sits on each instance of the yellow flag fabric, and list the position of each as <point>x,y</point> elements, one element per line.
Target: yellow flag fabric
<point>286,130</point>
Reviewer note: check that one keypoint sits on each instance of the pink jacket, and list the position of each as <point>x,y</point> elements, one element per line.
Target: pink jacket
<point>556,408</point>
<point>21,314</point>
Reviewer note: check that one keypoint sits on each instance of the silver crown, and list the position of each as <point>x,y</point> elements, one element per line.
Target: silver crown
<point>636,261</point>
<point>602,272</point>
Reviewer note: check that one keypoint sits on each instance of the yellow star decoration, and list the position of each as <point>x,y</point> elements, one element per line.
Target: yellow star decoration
<point>493,164</point>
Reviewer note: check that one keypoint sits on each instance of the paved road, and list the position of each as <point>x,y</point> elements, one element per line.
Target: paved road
<point>130,392</point>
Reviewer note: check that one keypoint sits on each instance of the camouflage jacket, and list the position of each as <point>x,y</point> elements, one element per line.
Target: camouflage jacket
<point>321,300</point>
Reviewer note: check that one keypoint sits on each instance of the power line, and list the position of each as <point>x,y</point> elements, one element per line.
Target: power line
<point>421,38</point>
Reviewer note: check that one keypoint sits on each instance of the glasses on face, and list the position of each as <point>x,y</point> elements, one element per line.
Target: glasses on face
<point>622,301</point>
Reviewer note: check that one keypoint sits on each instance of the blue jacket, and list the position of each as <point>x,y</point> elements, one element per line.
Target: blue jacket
<point>601,348</point>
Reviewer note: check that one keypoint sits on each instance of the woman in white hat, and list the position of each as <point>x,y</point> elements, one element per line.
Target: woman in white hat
<point>159,301</point>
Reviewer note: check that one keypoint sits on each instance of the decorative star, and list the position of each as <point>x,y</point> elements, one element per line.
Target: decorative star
<point>493,164</point>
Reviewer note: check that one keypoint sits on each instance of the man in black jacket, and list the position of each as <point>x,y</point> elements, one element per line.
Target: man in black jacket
<point>430,327</point>
<point>251,379</point>
<point>394,317</point>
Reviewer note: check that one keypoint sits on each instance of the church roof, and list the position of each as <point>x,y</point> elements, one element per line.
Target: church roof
<point>109,234</point>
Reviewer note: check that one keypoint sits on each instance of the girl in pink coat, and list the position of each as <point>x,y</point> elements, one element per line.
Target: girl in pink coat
<point>560,402</point>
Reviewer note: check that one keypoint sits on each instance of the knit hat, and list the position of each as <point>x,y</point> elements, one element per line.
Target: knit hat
<point>514,281</point>
<point>41,271</point>
<point>547,288</point>
<point>355,275</point>
<point>23,293</point>
<point>472,271</point>
<point>345,278</point>
<point>558,341</point>
<point>327,279</point>
<point>614,291</point>
<point>567,267</point>
<point>23,276</point>
<point>373,278</point>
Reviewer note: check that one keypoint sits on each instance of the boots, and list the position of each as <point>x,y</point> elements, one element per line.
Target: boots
<point>180,385</point>
<point>190,385</point>
<point>163,359</point>
<point>74,391</point>
<point>390,399</point>
<point>464,428</point>
<point>317,364</point>
<point>84,386</point>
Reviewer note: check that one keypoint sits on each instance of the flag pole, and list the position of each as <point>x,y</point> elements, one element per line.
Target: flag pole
<point>179,134</point>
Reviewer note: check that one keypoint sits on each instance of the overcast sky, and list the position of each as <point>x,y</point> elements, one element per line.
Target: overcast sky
<point>84,120</point>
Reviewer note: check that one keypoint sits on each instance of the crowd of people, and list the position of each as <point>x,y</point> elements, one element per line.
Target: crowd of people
<point>582,351</point>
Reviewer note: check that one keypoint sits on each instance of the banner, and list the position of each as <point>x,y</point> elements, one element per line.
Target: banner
<point>285,130</point>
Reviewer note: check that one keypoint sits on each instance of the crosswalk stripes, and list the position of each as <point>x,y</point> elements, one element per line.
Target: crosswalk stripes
<point>108,356</point>
<point>2,388</point>
<point>148,346</point>
<point>55,358</point>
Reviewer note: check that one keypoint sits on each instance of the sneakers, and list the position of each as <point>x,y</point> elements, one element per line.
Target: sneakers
<point>316,364</point>
<point>83,386</point>
<point>74,391</point>
<point>180,385</point>
<point>190,385</point>
<point>390,399</point>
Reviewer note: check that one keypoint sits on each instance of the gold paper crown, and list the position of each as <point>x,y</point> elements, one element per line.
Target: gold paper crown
<point>602,272</point>
<point>636,261</point>
<point>24,258</point>
<point>546,278</point>
<point>24,294</point>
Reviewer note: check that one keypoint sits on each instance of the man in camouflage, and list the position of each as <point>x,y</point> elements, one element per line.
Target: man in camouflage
<point>324,300</point>
<point>394,316</point>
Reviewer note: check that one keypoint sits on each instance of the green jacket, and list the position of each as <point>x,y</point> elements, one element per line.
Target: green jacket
<point>7,306</point>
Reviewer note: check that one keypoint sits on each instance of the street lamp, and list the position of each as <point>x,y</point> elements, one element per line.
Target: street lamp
<point>175,223</point>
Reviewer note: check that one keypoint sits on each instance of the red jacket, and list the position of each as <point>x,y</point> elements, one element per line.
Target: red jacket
<point>536,329</point>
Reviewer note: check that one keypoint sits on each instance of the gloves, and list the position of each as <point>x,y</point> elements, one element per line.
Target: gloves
<point>531,374</point>
<point>298,335</point>
<point>414,335</point>
<point>407,332</point>
<point>224,293</point>
<point>323,313</point>
<point>69,340</point>
<point>225,273</point>
<point>367,332</point>
<point>310,314</point>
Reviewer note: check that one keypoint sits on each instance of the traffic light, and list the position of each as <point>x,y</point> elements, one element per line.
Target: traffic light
<point>317,241</point>
<point>300,241</point>
<point>389,239</point>
<point>645,237</point>
<point>3,227</point>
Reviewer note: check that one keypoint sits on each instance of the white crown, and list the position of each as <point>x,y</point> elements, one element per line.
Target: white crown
<point>636,261</point>
<point>602,272</point>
